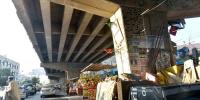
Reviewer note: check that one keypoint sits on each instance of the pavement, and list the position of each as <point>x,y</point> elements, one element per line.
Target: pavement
<point>37,97</point>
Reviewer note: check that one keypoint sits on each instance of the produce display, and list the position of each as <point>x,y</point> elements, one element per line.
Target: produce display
<point>89,84</point>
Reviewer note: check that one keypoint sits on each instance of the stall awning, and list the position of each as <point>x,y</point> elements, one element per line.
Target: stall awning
<point>97,67</point>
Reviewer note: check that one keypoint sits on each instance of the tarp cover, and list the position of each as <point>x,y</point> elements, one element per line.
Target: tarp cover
<point>97,67</point>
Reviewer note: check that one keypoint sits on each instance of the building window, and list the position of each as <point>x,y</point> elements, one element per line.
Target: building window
<point>3,63</point>
<point>14,67</point>
<point>6,63</point>
<point>0,63</point>
<point>9,65</point>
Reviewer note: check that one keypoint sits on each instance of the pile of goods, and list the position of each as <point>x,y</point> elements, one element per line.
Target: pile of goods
<point>170,75</point>
<point>89,84</point>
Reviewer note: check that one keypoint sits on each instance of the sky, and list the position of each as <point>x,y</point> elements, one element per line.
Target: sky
<point>191,32</point>
<point>15,44</point>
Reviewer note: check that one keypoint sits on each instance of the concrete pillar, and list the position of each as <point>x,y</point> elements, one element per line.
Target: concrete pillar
<point>131,31</point>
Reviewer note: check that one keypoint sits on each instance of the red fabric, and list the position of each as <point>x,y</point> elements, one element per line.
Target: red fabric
<point>173,30</point>
<point>108,50</point>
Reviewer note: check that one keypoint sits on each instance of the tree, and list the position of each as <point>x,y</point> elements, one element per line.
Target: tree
<point>4,73</point>
<point>35,80</point>
<point>26,81</point>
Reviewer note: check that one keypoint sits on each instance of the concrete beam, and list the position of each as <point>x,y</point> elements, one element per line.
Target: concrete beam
<point>98,53</point>
<point>102,56</point>
<point>97,7</point>
<point>179,14</point>
<point>53,79</point>
<point>91,37</point>
<point>182,4</point>
<point>85,21</point>
<point>103,39</point>
<point>73,69</point>
<point>25,20</point>
<point>46,16</point>
<point>64,66</point>
<point>55,75</point>
<point>65,26</point>
<point>146,4</point>
<point>71,31</point>
<point>176,9</point>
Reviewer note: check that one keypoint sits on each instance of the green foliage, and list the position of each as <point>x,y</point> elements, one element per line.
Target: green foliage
<point>26,81</point>
<point>4,73</point>
<point>35,80</point>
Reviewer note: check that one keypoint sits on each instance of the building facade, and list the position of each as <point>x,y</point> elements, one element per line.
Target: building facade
<point>10,64</point>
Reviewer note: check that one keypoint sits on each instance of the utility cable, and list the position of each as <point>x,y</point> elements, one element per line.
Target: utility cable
<point>148,10</point>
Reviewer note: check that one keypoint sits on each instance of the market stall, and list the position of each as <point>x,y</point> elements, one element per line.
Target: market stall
<point>91,76</point>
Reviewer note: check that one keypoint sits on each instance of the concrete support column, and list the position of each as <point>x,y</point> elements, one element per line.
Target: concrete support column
<point>132,33</point>
<point>120,43</point>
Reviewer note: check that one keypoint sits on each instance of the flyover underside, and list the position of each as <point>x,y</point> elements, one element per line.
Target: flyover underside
<point>64,34</point>
<point>67,70</point>
<point>54,73</point>
<point>78,31</point>
<point>60,33</point>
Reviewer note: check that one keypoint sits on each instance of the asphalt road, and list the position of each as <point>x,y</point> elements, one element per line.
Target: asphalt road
<point>37,97</point>
<point>34,97</point>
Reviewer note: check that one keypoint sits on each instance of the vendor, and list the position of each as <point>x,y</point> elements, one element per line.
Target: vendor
<point>79,89</point>
<point>72,88</point>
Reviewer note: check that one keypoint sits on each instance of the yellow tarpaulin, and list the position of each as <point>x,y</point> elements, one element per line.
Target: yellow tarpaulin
<point>169,75</point>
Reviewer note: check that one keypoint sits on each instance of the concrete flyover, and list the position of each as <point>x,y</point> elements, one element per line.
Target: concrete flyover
<point>69,34</point>
<point>63,34</point>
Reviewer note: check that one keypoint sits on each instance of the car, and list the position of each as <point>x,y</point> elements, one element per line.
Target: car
<point>60,89</point>
<point>47,90</point>
<point>30,89</point>
<point>23,93</point>
<point>38,87</point>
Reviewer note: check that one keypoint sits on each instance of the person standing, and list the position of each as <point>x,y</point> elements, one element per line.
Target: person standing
<point>12,90</point>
